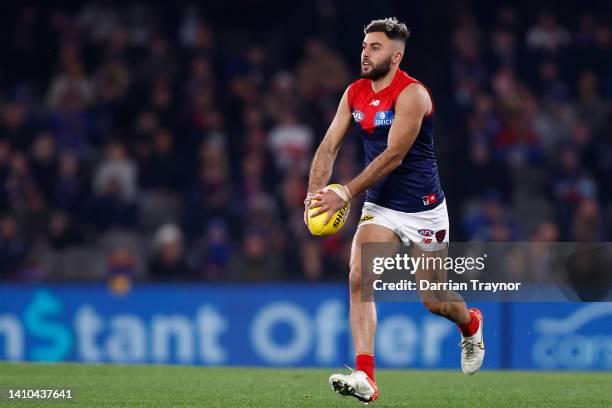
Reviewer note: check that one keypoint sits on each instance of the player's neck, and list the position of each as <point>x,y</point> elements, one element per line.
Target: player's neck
<point>385,81</point>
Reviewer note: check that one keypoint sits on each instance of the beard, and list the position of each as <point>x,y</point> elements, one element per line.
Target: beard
<point>377,71</point>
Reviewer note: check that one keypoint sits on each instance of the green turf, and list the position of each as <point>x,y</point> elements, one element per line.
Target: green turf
<point>176,386</point>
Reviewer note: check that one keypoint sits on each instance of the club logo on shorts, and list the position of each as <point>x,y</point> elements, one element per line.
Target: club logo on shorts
<point>366,217</point>
<point>430,199</point>
<point>440,235</point>
<point>384,118</point>
<point>358,116</point>
<point>426,232</point>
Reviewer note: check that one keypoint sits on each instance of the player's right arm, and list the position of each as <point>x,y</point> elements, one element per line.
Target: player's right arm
<point>323,162</point>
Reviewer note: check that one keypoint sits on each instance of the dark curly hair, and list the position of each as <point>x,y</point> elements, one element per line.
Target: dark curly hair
<point>391,26</point>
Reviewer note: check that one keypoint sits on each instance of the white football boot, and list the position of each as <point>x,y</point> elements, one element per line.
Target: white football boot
<point>356,384</point>
<point>472,348</point>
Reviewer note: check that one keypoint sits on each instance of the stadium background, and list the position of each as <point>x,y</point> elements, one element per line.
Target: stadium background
<point>153,163</point>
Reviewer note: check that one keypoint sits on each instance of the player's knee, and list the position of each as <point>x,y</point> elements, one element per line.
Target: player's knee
<point>432,306</point>
<point>436,307</point>
<point>355,279</point>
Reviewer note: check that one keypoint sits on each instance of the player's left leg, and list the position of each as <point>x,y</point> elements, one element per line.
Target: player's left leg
<point>450,304</point>
<point>428,234</point>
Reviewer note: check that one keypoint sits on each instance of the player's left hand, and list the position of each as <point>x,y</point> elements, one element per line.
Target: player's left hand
<point>326,201</point>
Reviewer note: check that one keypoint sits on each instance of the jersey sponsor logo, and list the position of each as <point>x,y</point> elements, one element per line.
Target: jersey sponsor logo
<point>426,232</point>
<point>440,235</point>
<point>375,102</point>
<point>365,218</point>
<point>430,199</point>
<point>358,116</point>
<point>384,118</point>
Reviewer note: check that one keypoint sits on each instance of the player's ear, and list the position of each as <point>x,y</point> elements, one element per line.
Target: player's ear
<point>399,53</point>
<point>397,57</point>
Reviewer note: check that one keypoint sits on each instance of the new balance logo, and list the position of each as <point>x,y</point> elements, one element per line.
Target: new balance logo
<point>375,102</point>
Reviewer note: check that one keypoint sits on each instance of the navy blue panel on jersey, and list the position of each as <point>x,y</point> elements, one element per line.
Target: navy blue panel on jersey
<point>409,188</point>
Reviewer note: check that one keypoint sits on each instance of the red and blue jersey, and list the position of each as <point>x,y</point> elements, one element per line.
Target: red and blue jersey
<point>414,185</point>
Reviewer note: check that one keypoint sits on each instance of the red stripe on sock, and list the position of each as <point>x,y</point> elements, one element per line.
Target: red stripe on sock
<point>365,363</point>
<point>471,327</point>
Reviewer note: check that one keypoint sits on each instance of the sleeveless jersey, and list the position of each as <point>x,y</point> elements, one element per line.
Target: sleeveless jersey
<point>414,185</point>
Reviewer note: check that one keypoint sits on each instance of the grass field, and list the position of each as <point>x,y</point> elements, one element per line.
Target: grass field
<point>176,386</point>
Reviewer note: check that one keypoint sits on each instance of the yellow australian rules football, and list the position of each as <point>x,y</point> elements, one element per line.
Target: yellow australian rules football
<point>315,224</point>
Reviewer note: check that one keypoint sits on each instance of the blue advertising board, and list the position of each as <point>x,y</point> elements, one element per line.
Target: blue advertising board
<point>551,336</point>
<point>304,325</point>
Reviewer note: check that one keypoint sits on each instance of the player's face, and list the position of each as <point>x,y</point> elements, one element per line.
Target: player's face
<point>377,55</point>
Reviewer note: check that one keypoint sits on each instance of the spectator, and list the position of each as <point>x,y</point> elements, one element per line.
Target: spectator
<point>70,93</point>
<point>68,189</point>
<point>212,253</point>
<point>160,61</point>
<point>468,62</point>
<point>15,126</point>
<point>62,232</point>
<point>119,169</point>
<point>121,264</point>
<point>503,44</point>
<point>570,185</point>
<point>12,248</point>
<point>256,262</point>
<point>491,221</point>
<point>486,174</point>
<point>19,182</point>
<point>587,222</point>
<point>291,143</point>
<point>547,35</point>
<point>44,162</point>
<point>162,169</point>
<point>168,261</point>
<point>110,208</point>
<point>111,86</point>
<point>516,144</point>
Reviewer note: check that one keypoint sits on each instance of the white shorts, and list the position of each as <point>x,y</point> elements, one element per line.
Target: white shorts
<point>426,229</point>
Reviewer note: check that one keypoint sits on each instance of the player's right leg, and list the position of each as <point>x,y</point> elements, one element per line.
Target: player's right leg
<point>361,382</point>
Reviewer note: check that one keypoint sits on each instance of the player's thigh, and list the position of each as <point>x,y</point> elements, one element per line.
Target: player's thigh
<point>371,233</point>
<point>432,266</point>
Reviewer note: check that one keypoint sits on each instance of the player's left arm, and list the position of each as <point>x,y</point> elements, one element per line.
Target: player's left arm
<point>412,105</point>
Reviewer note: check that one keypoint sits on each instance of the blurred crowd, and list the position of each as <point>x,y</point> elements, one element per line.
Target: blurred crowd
<point>168,146</point>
